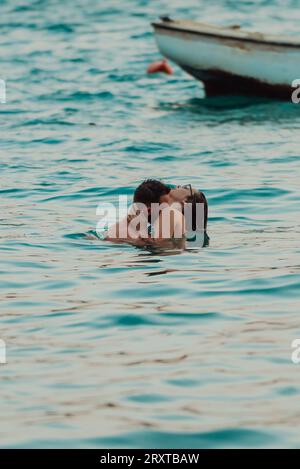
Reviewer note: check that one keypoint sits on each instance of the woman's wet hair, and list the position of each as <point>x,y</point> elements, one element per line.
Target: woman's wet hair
<point>150,192</point>
<point>194,199</point>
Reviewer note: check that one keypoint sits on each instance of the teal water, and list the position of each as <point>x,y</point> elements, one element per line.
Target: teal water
<point>112,346</point>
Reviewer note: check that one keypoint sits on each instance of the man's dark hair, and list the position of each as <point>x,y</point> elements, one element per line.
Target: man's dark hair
<point>198,198</point>
<point>150,192</point>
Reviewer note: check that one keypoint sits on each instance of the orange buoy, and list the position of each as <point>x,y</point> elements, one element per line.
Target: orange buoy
<point>161,66</point>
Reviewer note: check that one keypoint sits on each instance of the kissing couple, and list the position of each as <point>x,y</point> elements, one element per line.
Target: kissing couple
<point>161,215</point>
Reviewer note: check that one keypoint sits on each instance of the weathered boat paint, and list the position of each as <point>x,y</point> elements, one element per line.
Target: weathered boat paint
<point>231,60</point>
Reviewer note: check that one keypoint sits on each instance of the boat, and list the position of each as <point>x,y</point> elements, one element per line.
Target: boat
<point>229,60</point>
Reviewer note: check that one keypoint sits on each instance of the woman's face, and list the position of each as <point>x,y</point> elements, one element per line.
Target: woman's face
<point>180,194</point>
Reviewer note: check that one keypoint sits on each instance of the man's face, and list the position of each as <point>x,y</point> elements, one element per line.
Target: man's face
<point>165,199</point>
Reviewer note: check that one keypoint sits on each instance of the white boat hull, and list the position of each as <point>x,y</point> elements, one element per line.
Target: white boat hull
<point>227,60</point>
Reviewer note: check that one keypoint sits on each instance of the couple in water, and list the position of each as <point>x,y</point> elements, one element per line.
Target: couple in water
<point>163,216</point>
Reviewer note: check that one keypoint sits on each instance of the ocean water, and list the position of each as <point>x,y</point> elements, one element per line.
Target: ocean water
<point>114,346</point>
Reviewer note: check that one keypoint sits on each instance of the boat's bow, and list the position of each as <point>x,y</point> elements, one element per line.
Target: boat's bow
<point>229,59</point>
